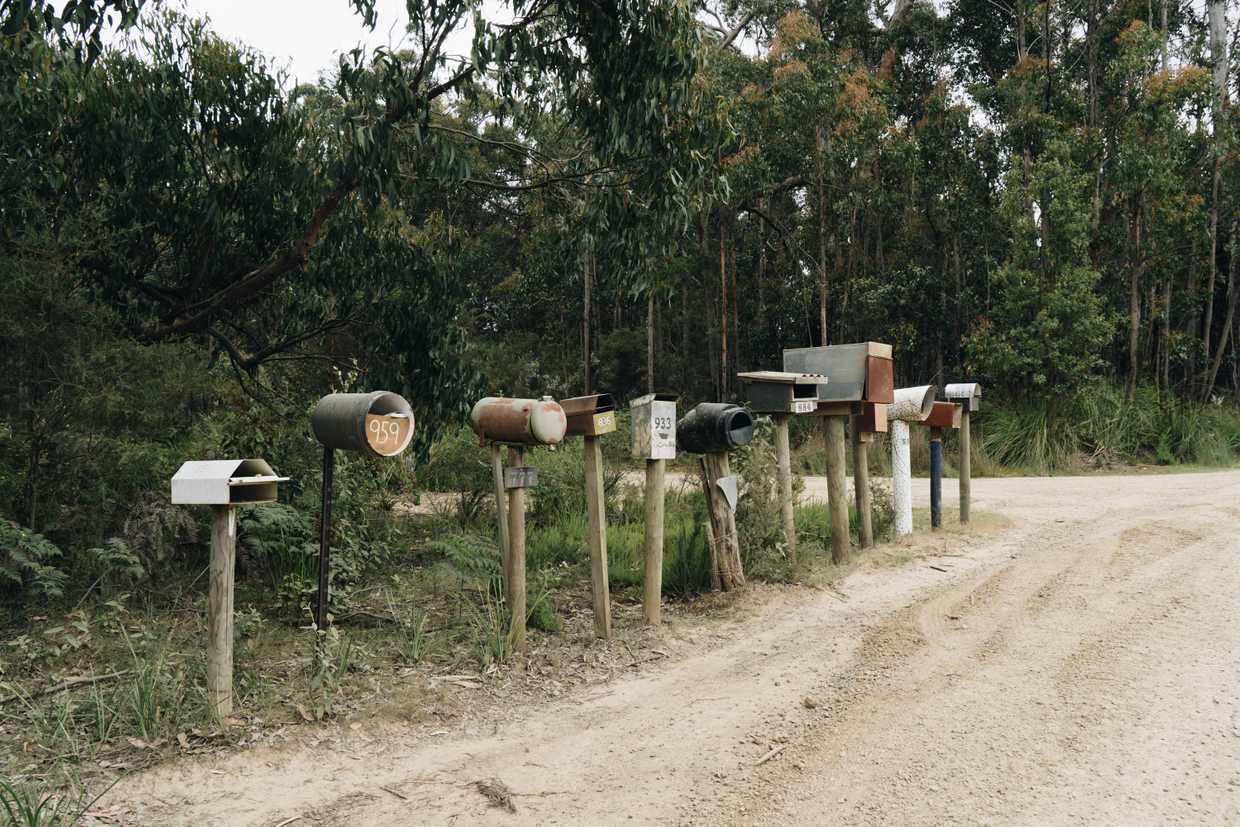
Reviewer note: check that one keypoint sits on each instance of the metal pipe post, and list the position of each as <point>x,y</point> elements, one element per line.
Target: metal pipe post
<point>936,478</point>
<point>325,534</point>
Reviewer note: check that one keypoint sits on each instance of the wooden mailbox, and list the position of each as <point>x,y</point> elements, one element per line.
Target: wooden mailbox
<point>590,415</point>
<point>781,392</point>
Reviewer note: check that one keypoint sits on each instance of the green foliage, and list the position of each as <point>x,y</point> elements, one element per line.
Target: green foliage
<point>31,805</point>
<point>279,543</point>
<point>27,565</point>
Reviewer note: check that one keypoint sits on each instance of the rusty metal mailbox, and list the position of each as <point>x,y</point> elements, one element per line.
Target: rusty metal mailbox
<point>967,394</point>
<point>873,418</point>
<point>715,427</point>
<point>780,392</point>
<point>590,415</point>
<point>511,421</point>
<point>654,426</point>
<point>943,415</point>
<point>378,423</point>
<point>860,372</point>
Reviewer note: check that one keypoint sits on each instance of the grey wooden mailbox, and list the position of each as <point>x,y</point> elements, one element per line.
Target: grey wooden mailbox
<point>223,484</point>
<point>653,426</point>
<point>782,392</point>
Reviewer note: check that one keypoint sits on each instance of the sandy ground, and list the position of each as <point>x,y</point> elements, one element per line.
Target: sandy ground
<point>1080,666</point>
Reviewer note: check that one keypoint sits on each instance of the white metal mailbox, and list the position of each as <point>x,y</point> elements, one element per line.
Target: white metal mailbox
<point>654,426</point>
<point>225,482</point>
<point>968,394</point>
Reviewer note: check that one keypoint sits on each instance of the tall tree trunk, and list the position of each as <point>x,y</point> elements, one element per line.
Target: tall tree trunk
<point>650,341</point>
<point>723,308</point>
<point>1134,304</point>
<point>587,277</point>
<point>823,282</point>
<point>1218,54</point>
<point>1232,294</point>
<point>1165,349</point>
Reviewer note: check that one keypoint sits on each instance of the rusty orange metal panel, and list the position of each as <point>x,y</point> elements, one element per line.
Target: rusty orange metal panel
<point>880,383</point>
<point>944,415</point>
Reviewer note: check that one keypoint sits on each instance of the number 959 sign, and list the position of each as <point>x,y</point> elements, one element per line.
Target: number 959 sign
<point>387,434</point>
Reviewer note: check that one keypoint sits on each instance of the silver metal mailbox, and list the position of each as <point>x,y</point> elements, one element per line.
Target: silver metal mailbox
<point>859,372</point>
<point>968,394</point>
<point>225,482</point>
<point>775,392</point>
<point>654,426</point>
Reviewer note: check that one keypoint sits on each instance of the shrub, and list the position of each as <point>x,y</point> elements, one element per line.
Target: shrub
<point>28,565</point>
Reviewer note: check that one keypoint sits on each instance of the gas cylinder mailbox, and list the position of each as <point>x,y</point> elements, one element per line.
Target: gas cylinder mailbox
<point>511,421</point>
<point>654,426</point>
<point>379,423</point>
<point>779,392</point>
<point>860,372</point>
<point>225,482</point>
<point>715,427</point>
<point>590,415</point>
<point>968,394</point>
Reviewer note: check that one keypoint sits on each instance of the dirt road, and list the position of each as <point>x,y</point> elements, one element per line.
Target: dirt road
<point>1081,666</point>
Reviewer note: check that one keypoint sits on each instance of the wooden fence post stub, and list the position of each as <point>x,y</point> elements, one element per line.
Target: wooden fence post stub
<point>597,520</point>
<point>220,609</point>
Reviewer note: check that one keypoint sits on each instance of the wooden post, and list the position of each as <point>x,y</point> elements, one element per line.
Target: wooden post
<point>501,509</point>
<point>325,539</point>
<point>783,454</point>
<point>652,594</point>
<point>597,519</point>
<point>516,553</point>
<point>723,522</point>
<point>861,482</point>
<point>936,478</point>
<point>220,609</point>
<point>966,465</point>
<point>837,495</point>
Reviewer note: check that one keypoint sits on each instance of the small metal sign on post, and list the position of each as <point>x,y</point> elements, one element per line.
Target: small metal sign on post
<point>653,424</point>
<point>223,485</point>
<point>517,423</point>
<point>378,423</point>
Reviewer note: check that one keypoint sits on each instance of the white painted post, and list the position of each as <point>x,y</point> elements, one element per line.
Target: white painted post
<point>901,477</point>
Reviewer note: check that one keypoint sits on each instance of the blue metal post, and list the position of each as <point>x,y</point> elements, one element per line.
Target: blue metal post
<point>936,478</point>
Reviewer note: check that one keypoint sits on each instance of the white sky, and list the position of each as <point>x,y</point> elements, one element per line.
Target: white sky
<point>304,36</point>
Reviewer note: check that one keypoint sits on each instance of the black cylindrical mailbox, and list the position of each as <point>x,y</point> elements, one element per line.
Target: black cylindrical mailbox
<point>378,423</point>
<point>714,426</point>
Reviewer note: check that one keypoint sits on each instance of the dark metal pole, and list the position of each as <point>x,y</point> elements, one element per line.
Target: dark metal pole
<point>325,534</point>
<point>936,478</point>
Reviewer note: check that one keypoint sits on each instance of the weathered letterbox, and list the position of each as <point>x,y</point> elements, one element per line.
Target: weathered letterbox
<point>653,426</point>
<point>968,394</point>
<point>714,427</point>
<point>912,404</point>
<point>590,415</point>
<point>374,423</point>
<point>943,415</point>
<point>860,372</point>
<point>779,392</point>
<point>519,421</point>
<point>225,482</point>
<point>873,418</point>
